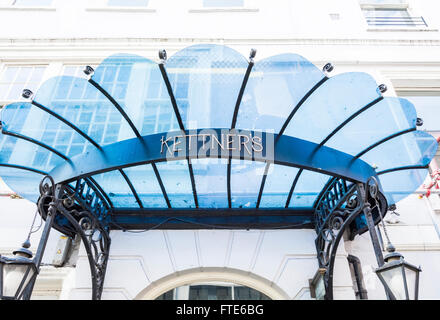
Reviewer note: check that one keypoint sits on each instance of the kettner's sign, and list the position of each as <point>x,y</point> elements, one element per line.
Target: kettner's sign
<point>218,143</point>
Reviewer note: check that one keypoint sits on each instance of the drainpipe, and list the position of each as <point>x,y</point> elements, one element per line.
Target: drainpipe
<point>356,263</point>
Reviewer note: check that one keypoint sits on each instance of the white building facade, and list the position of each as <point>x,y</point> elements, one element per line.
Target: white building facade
<point>397,42</point>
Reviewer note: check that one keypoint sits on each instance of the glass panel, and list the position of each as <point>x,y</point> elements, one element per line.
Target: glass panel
<point>427,106</point>
<point>79,102</point>
<point>24,153</point>
<point>24,183</point>
<point>31,121</point>
<point>246,179</point>
<point>275,86</point>
<point>13,276</point>
<point>383,119</point>
<point>411,149</point>
<point>136,83</point>
<point>128,3</point>
<point>394,279</point>
<point>206,80</point>
<point>117,189</point>
<point>411,277</point>
<point>331,104</point>
<point>307,189</point>
<point>399,184</point>
<point>207,292</point>
<point>169,295</point>
<point>320,289</point>
<point>277,186</point>
<point>17,78</point>
<point>223,3</point>
<point>210,176</point>
<point>146,185</point>
<point>246,293</point>
<point>177,182</point>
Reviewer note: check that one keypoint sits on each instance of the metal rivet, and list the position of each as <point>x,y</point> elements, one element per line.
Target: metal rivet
<point>88,70</point>
<point>382,88</point>
<point>162,54</point>
<point>328,67</point>
<point>27,93</point>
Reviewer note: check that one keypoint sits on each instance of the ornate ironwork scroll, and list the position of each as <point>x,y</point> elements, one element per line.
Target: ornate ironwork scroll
<point>338,206</point>
<point>80,211</point>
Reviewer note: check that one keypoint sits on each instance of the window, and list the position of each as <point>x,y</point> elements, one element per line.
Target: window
<point>213,291</point>
<point>223,3</point>
<point>16,78</point>
<point>127,3</point>
<point>74,71</point>
<point>390,13</point>
<point>427,104</point>
<point>157,116</point>
<point>32,3</point>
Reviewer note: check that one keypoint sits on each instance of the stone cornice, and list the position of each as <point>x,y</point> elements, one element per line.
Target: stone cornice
<point>97,43</point>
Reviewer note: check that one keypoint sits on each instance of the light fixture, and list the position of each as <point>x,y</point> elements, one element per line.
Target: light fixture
<point>17,273</point>
<point>317,285</point>
<point>400,279</point>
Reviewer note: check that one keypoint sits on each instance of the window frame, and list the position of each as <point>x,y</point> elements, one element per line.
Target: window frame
<point>404,5</point>
<point>10,5</point>
<point>103,6</point>
<point>5,100</point>
<point>248,6</point>
<point>13,3</point>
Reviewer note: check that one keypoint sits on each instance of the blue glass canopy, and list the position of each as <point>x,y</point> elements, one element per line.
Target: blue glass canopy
<point>128,125</point>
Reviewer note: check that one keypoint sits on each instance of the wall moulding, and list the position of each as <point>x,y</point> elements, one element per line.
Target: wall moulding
<point>209,274</point>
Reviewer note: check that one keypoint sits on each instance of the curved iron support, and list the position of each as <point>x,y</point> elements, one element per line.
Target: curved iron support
<point>234,121</point>
<point>117,106</point>
<point>34,141</point>
<point>91,232</point>
<point>338,207</point>
<point>179,121</point>
<point>350,215</point>
<point>16,166</point>
<point>336,210</point>
<point>65,121</point>
<point>81,213</point>
<point>283,128</point>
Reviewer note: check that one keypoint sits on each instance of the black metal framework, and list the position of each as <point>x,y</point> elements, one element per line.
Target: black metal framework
<point>117,106</point>
<point>77,205</point>
<point>15,166</point>
<point>280,133</point>
<point>381,88</point>
<point>65,121</point>
<point>79,210</point>
<point>338,207</point>
<point>34,141</point>
<point>234,121</point>
<point>360,292</point>
<point>162,56</point>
